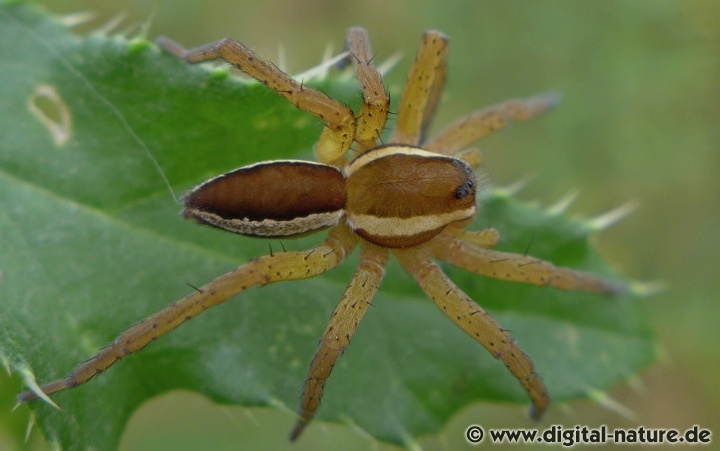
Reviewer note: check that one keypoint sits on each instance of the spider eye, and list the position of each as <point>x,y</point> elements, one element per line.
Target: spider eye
<point>464,190</point>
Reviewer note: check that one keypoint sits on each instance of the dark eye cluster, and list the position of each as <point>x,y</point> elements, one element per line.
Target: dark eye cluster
<point>466,189</point>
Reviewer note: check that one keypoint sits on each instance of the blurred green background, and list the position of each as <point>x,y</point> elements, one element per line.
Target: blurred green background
<point>640,120</point>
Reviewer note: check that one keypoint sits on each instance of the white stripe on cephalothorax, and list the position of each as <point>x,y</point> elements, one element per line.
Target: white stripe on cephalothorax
<point>414,225</point>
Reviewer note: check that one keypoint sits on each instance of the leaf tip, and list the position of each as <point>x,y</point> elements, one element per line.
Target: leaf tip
<point>513,188</point>
<point>145,27</point>
<point>76,19</point>
<point>111,25</point>
<point>605,220</point>
<point>611,404</point>
<point>3,358</point>
<point>387,65</point>
<point>411,442</point>
<point>30,425</point>
<point>563,203</point>
<point>277,403</point>
<point>636,384</point>
<point>30,381</point>
<point>647,289</point>
<point>321,70</point>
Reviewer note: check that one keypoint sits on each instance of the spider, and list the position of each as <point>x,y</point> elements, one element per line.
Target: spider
<point>407,195</point>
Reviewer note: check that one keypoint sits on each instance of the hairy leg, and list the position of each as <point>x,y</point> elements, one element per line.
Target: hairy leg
<point>476,322</point>
<point>466,130</point>
<point>376,102</point>
<point>339,130</point>
<point>424,85</point>
<point>515,267</point>
<point>260,271</point>
<point>341,327</point>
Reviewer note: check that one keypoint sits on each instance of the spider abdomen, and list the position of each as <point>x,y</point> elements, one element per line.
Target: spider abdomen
<point>401,196</point>
<point>270,199</point>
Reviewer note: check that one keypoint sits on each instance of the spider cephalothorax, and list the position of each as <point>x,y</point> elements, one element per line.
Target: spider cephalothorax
<point>409,196</point>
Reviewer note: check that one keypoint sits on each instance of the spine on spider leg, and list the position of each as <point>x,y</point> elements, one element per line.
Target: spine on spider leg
<point>260,271</point>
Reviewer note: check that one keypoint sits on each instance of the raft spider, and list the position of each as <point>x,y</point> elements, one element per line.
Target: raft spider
<point>408,196</point>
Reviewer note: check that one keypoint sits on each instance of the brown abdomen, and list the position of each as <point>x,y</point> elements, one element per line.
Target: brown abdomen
<point>276,198</point>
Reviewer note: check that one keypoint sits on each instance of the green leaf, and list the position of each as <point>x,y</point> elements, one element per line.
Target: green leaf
<point>99,134</point>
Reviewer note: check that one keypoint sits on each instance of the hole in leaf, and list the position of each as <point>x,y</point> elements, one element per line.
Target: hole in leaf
<point>47,105</point>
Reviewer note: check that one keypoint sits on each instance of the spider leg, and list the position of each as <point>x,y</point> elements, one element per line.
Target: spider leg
<point>260,271</point>
<point>339,119</point>
<point>341,327</point>
<point>424,85</point>
<point>515,267</point>
<point>483,238</point>
<point>480,123</point>
<point>376,102</point>
<point>476,322</point>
